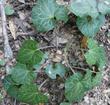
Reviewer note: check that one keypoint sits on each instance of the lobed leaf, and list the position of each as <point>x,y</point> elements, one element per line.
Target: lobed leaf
<point>90,26</point>
<point>83,8</point>
<point>77,84</point>
<point>21,75</point>
<point>95,55</point>
<point>46,13</point>
<point>28,53</point>
<point>52,70</point>
<point>31,95</point>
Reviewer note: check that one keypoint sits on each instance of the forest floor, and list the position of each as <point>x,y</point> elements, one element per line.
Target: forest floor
<point>65,35</point>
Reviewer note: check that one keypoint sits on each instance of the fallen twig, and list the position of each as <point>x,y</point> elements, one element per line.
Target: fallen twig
<point>7,49</point>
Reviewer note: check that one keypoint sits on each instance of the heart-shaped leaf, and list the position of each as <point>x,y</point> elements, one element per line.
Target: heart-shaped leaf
<point>27,93</point>
<point>74,89</point>
<point>90,26</point>
<point>84,8</point>
<point>28,54</point>
<point>95,55</point>
<point>77,84</point>
<point>10,86</point>
<point>52,70</point>
<point>45,14</point>
<point>31,95</point>
<point>21,75</point>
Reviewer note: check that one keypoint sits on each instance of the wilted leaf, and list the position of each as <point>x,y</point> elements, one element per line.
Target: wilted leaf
<point>52,70</point>
<point>45,12</point>
<point>84,42</point>
<point>12,28</point>
<point>90,26</point>
<point>28,54</point>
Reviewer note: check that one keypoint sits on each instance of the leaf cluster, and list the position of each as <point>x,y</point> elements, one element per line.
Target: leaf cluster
<point>45,16</point>
<point>77,84</point>
<point>20,82</point>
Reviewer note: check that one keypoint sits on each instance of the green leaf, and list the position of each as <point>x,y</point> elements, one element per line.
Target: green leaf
<point>61,13</point>
<point>44,14</point>
<point>77,84</point>
<point>9,10</point>
<point>65,103</point>
<point>52,70</point>
<point>84,8</point>
<point>2,62</point>
<point>27,93</point>
<point>1,97</point>
<point>28,54</point>
<point>21,75</point>
<point>104,6</point>
<point>30,94</point>
<point>87,80</point>
<point>10,86</point>
<point>97,79</point>
<point>74,89</point>
<point>95,55</point>
<point>90,26</point>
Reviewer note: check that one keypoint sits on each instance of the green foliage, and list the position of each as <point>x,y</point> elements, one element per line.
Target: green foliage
<point>9,10</point>
<point>74,89</point>
<point>2,62</point>
<point>20,83</point>
<point>92,8</point>
<point>31,95</point>
<point>104,6</point>
<point>1,97</point>
<point>52,70</point>
<point>28,53</point>
<point>46,13</point>
<point>21,75</point>
<point>95,10</point>
<point>26,93</point>
<point>95,55</point>
<point>77,84</point>
<point>90,26</point>
<point>84,8</point>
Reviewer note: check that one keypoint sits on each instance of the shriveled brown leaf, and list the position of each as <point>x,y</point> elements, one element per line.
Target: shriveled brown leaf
<point>12,28</point>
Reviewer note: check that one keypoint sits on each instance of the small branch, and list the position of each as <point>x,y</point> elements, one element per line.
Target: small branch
<point>7,49</point>
<point>46,47</point>
<point>43,84</point>
<point>66,59</point>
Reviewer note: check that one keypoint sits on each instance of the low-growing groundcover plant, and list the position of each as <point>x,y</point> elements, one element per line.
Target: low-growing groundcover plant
<point>20,83</point>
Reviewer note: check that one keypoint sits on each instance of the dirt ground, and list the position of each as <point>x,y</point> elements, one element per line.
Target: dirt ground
<point>66,34</point>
